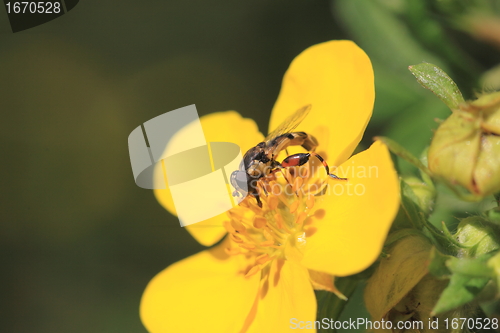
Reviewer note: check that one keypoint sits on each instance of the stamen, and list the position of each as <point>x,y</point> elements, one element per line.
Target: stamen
<point>259,222</point>
<point>302,216</point>
<point>310,201</point>
<point>262,259</point>
<point>309,220</point>
<point>253,206</point>
<point>297,184</point>
<point>320,213</point>
<point>267,243</point>
<point>268,235</point>
<point>247,246</point>
<point>285,219</point>
<point>243,204</point>
<point>253,270</point>
<point>235,214</point>
<point>294,205</point>
<point>236,239</point>
<point>311,231</point>
<point>272,202</point>
<point>238,226</point>
<point>228,227</point>
<point>305,173</point>
<point>266,186</point>
<point>283,198</point>
<point>276,189</point>
<point>281,224</point>
<point>279,221</point>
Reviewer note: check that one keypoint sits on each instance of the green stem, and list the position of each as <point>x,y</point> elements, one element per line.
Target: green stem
<point>400,151</point>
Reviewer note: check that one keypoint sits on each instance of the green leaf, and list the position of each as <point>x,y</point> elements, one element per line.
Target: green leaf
<point>442,241</point>
<point>367,21</point>
<point>476,267</point>
<point>417,217</point>
<point>409,203</point>
<point>425,176</point>
<point>436,80</point>
<point>493,215</point>
<point>437,265</point>
<point>413,125</point>
<point>494,264</point>
<point>422,194</point>
<point>329,305</point>
<point>433,33</point>
<point>451,237</point>
<point>394,93</point>
<point>395,237</point>
<point>408,216</point>
<point>462,289</point>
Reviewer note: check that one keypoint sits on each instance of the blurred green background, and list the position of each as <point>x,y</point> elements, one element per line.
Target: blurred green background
<point>79,239</point>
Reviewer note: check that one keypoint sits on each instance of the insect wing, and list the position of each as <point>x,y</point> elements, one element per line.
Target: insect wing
<point>290,123</point>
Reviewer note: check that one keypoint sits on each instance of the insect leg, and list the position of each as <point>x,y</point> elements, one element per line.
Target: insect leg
<point>327,168</point>
<point>263,185</point>
<point>259,203</point>
<point>280,168</point>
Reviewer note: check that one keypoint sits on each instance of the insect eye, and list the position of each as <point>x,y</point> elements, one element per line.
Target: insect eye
<point>241,179</point>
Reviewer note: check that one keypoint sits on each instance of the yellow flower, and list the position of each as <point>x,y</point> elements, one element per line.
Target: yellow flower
<point>261,277</point>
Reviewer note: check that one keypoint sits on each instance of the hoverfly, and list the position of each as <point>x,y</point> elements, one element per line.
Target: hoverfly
<point>260,162</point>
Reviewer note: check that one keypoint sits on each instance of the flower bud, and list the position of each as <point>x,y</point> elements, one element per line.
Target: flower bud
<point>465,149</point>
<point>418,304</point>
<point>402,289</point>
<point>478,235</point>
<point>424,193</point>
<point>398,273</point>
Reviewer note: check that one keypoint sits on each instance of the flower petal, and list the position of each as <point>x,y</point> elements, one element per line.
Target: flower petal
<point>226,126</point>
<point>358,214</point>
<point>336,78</point>
<point>287,297</point>
<point>206,292</point>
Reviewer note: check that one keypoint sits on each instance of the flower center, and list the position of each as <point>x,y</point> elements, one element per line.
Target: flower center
<point>279,229</point>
